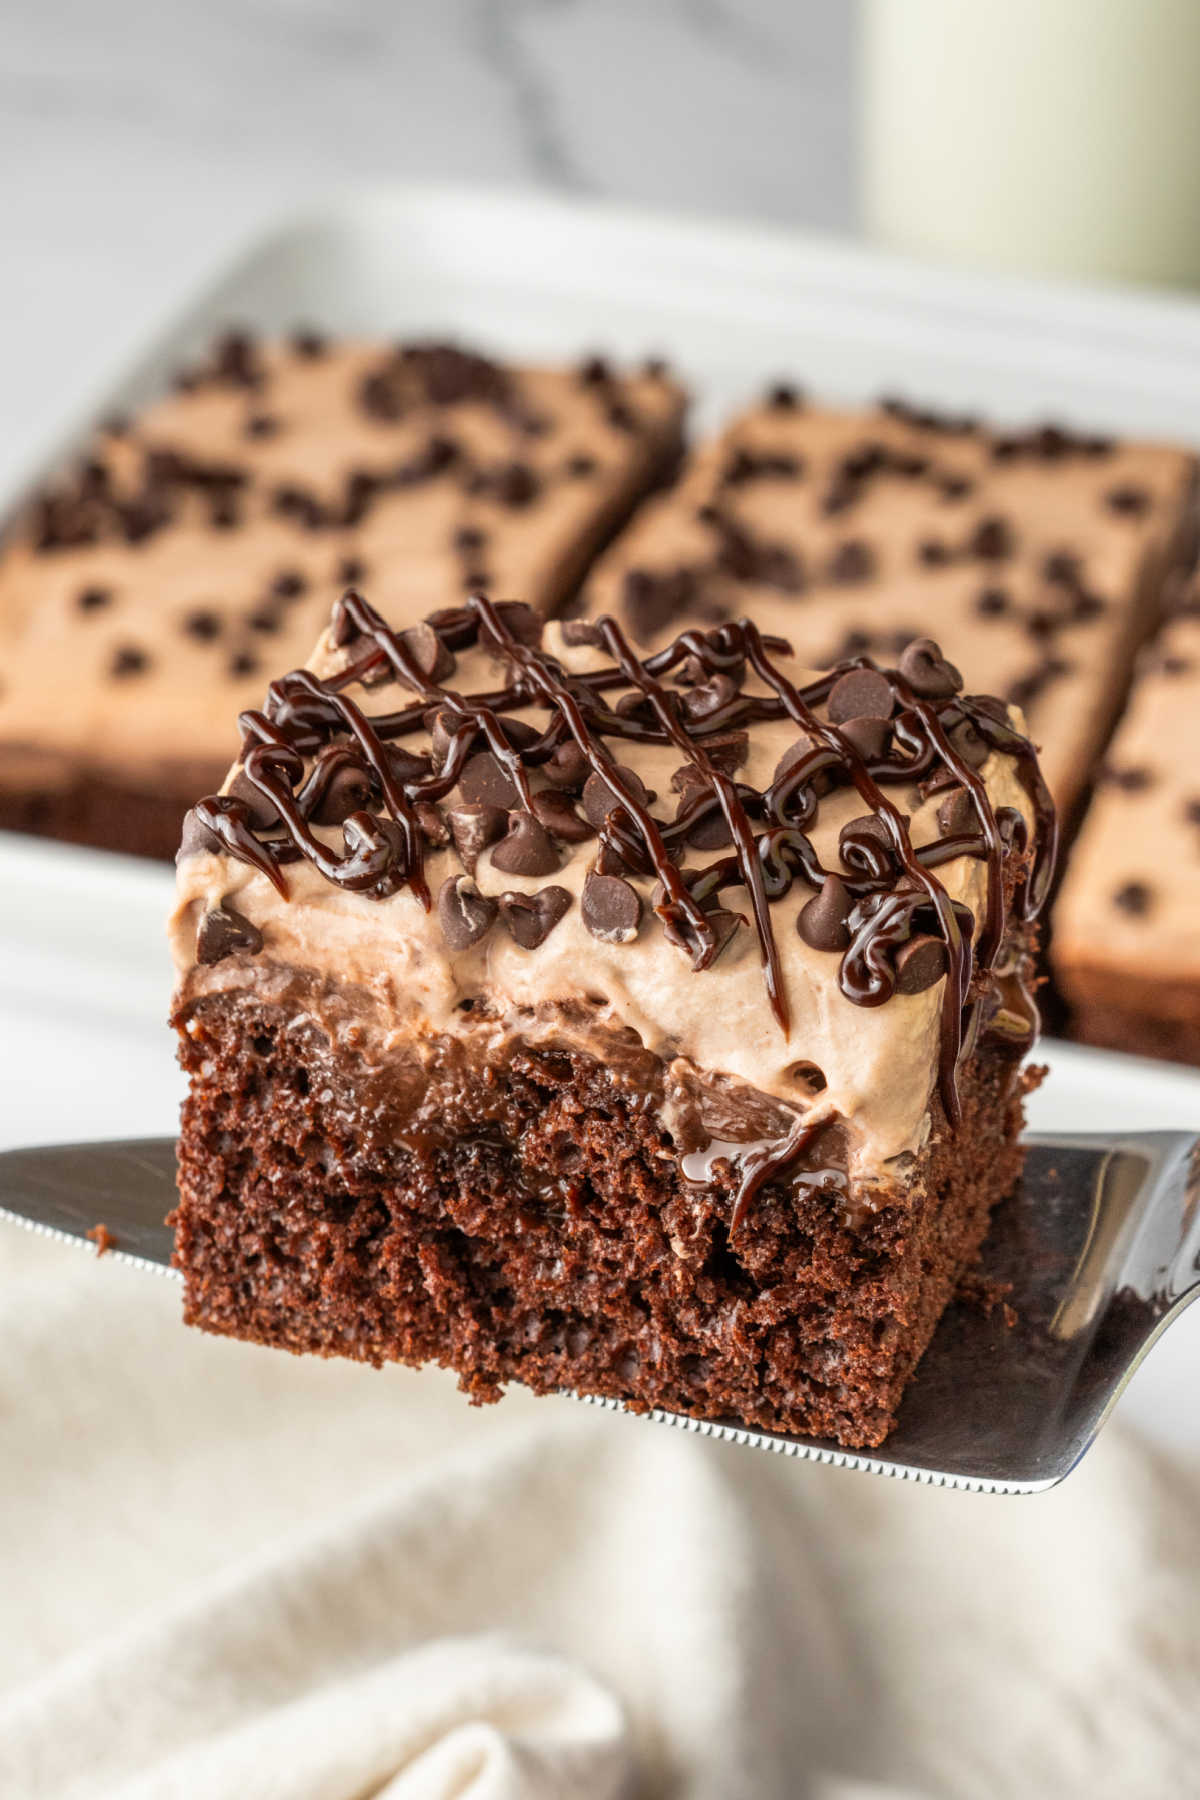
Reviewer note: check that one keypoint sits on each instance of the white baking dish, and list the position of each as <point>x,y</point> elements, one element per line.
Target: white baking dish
<point>84,983</point>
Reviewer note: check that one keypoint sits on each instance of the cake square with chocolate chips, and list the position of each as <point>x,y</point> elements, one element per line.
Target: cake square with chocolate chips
<point>650,1028</point>
<point>146,596</point>
<point>1126,941</point>
<point>1036,558</point>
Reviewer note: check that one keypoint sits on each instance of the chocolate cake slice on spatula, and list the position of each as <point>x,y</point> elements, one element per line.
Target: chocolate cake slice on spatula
<point>650,1029</point>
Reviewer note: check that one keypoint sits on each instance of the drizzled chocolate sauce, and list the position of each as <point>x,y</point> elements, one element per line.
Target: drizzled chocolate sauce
<point>310,731</point>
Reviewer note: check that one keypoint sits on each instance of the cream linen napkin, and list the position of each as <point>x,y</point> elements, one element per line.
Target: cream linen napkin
<point>230,1573</point>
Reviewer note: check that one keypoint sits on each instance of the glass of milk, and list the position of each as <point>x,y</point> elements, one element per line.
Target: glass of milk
<point>1050,136</point>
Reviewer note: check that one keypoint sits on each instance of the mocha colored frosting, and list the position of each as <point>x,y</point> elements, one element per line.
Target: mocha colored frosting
<point>879,1063</point>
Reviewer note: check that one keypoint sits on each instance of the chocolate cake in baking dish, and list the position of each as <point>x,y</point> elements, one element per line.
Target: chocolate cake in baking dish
<point>1036,558</point>
<point>649,1027</point>
<point>201,544</point>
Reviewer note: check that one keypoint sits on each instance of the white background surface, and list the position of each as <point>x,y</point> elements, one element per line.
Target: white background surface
<point>139,139</point>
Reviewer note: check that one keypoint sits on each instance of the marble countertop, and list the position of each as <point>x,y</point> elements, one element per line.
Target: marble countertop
<point>140,141</point>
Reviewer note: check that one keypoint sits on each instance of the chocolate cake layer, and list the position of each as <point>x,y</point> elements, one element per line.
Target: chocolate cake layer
<point>625,1023</point>
<point>1126,943</point>
<point>147,595</point>
<point>1036,558</point>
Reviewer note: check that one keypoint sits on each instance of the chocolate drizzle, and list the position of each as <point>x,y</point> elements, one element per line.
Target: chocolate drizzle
<point>312,738</point>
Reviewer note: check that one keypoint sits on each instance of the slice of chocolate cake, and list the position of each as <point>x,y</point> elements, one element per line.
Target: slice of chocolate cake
<point>147,593</point>
<point>647,1028</point>
<point>1036,558</point>
<point>1126,941</point>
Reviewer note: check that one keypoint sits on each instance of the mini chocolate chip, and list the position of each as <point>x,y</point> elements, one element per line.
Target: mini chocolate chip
<point>622,417</point>
<point>464,914</point>
<point>262,813</point>
<point>919,963</point>
<point>992,539</point>
<point>515,485</point>
<point>469,538</point>
<point>725,750</point>
<point>1127,499</point>
<point>262,425</point>
<point>1174,665</point>
<point>934,553</point>
<point>530,918</point>
<point>725,926</point>
<point>1191,811</point>
<point>196,839</point>
<point>611,908</point>
<point>969,744</point>
<point>867,827</point>
<point>599,799</point>
<point>822,922</point>
<point>203,624</point>
<point>1129,780</point>
<point>483,780</point>
<point>406,765</point>
<point>709,698</point>
<point>783,397</point>
<point>243,664</point>
<point>580,466</point>
<point>476,581</point>
<point>992,602</point>
<point>91,599</point>
<point>927,672</point>
<point>473,826</point>
<point>595,371</point>
<point>433,826</point>
<point>860,694</point>
<point>308,344</point>
<point>579,632</point>
<point>711,832</point>
<point>568,767</point>
<point>554,810</point>
<point>266,620</point>
<point>428,652</point>
<point>349,791</point>
<point>128,660</point>
<point>851,562</point>
<point>955,487</point>
<point>956,814</point>
<point>869,736</point>
<point>1085,605</point>
<point>1061,567</point>
<point>223,932</point>
<point>350,571</point>
<point>527,848</point>
<point>1134,898</point>
<point>289,584</point>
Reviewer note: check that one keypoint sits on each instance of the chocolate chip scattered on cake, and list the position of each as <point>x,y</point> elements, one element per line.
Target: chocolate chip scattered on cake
<point>1036,558</point>
<point>650,1027</point>
<point>147,594</point>
<point>1126,942</point>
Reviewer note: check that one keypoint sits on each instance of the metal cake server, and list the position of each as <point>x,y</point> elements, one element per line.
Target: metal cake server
<point>1100,1246</point>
